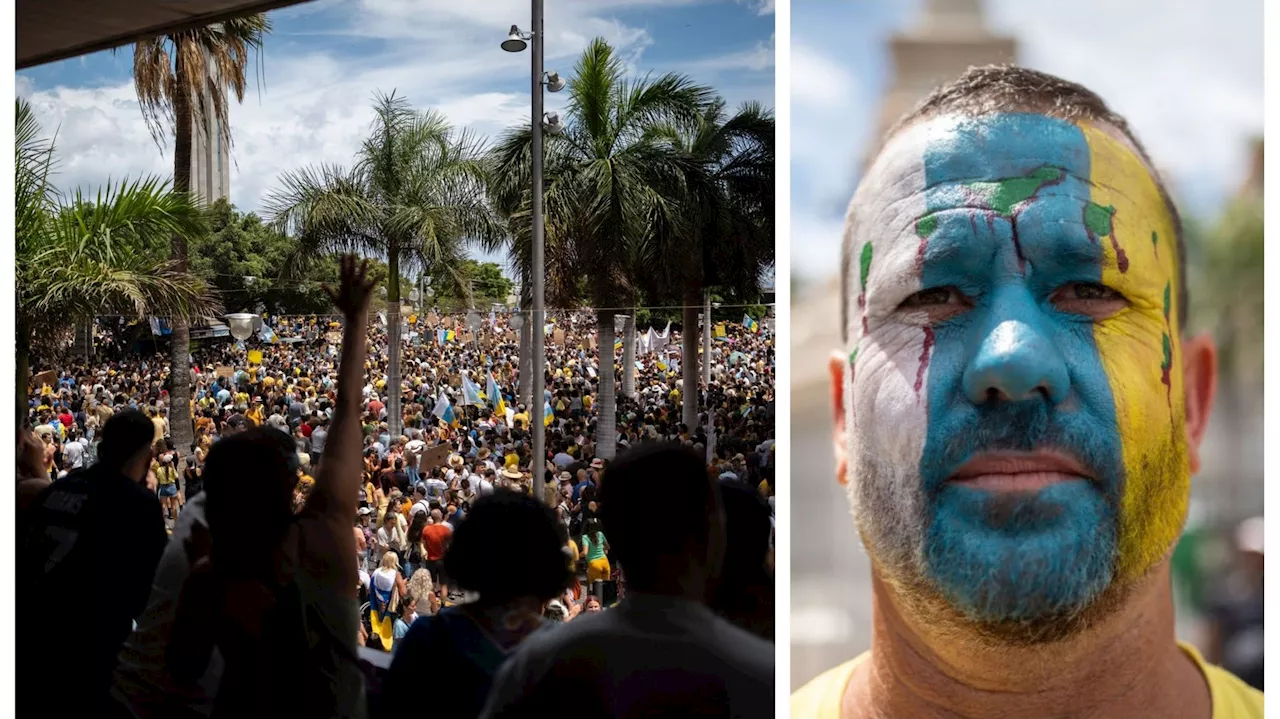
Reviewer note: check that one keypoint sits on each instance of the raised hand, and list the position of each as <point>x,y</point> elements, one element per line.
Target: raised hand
<point>352,296</point>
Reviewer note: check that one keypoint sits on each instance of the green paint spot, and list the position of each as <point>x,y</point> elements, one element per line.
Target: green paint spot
<point>1155,239</point>
<point>853,356</point>
<point>1168,353</point>
<point>926,225</point>
<point>1003,195</point>
<point>1167,288</point>
<point>866,263</point>
<point>1098,218</point>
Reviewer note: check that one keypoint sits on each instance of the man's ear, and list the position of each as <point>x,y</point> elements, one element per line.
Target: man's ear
<point>836,366</point>
<point>1200,386</point>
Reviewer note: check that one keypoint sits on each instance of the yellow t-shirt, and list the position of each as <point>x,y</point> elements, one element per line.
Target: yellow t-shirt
<point>1231,698</point>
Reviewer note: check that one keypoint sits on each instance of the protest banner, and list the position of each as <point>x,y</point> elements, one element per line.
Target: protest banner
<point>48,377</point>
<point>435,456</point>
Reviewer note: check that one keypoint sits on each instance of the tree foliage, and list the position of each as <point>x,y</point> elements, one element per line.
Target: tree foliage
<point>485,280</point>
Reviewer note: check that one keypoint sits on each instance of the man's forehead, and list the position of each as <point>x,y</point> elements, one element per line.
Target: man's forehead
<point>986,162</point>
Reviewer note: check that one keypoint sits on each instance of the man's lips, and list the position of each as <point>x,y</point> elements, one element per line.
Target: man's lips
<point>1019,471</point>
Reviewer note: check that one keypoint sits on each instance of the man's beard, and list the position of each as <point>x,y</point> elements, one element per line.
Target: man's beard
<point>960,562</point>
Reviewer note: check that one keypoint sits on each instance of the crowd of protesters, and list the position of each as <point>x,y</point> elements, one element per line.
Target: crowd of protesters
<point>245,572</point>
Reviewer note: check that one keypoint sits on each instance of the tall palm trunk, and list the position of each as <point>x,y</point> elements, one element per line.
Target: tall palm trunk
<point>607,420</point>
<point>395,416</point>
<point>629,356</point>
<point>689,362</point>
<point>181,429</point>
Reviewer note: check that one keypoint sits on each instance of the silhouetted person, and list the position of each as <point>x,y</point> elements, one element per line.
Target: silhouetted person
<point>744,593</point>
<point>102,528</point>
<point>509,551</point>
<point>275,592</point>
<point>660,651</point>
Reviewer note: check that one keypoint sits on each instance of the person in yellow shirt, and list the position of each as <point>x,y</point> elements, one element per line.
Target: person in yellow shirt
<point>1018,422</point>
<point>256,413</point>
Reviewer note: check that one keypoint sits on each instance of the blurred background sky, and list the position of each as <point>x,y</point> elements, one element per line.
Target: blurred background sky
<point>1188,77</point>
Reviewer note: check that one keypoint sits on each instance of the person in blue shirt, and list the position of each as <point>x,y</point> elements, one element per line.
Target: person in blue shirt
<point>408,613</point>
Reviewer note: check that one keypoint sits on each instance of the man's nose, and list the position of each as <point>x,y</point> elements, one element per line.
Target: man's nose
<point>1017,360</point>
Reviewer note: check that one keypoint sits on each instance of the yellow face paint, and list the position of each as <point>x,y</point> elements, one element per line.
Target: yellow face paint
<point>1140,349</point>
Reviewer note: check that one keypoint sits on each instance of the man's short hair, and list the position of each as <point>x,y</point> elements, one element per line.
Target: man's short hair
<point>995,89</point>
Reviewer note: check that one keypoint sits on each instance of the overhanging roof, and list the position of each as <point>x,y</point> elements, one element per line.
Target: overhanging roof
<point>50,30</point>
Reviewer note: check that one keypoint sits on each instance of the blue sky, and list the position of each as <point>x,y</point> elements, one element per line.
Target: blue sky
<point>1187,75</point>
<point>325,59</point>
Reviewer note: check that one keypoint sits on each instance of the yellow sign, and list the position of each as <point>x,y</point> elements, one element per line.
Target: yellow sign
<point>720,331</point>
<point>255,356</point>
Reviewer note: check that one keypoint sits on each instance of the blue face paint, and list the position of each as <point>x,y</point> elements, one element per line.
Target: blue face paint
<point>1007,195</point>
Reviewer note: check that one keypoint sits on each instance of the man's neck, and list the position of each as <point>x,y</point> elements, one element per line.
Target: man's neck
<point>1126,665</point>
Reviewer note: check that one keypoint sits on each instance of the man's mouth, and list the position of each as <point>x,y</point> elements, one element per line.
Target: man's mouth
<point>1019,471</point>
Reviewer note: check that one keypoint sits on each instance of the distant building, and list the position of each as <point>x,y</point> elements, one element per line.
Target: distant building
<point>949,37</point>
<point>210,154</point>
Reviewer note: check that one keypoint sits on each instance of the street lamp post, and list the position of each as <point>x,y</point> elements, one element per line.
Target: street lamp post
<point>517,41</point>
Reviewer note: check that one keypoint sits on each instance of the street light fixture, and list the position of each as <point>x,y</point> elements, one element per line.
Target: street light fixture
<point>515,42</point>
<point>241,324</point>
<point>554,82</point>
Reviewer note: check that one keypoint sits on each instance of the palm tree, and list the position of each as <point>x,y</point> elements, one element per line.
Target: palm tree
<point>183,78</point>
<point>729,241</point>
<point>77,258</point>
<point>415,196</point>
<point>612,186</point>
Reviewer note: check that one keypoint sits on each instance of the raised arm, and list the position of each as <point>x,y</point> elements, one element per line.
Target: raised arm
<point>339,477</point>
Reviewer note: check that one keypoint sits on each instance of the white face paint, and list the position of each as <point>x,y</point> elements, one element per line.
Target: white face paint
<point>886,415</point>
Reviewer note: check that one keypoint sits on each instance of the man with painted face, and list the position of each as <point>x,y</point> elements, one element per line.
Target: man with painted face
<point>1018,416</point>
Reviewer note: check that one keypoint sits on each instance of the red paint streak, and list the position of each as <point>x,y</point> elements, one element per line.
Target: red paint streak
<point>924,243</point>
<point>1122,260</point>
<point>865,331</point>
<point>924,358</point>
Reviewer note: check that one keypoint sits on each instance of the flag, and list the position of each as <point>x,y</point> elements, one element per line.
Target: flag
<point>750,323</point>
<point>495,396</point>
<point>470,392</point>
<point>720,331</point>
<point>450,336</point>
<point>439,337</point>
<point>266,334</point>
<point>444,410</point>
<point>547,414</point>
<point>617,344</point>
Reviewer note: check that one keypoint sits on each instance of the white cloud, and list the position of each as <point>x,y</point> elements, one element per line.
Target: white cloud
<point>762,7</point>
<point>755,59</point>
<point>316,107</point>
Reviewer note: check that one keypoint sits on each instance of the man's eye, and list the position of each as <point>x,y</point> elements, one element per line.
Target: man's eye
<point>932,298</point>
<point>1089,298</point>
<point>1090,291</point>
